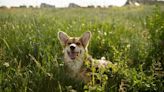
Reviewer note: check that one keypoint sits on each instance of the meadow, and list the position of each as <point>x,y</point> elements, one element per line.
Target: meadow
<point>31,58</point>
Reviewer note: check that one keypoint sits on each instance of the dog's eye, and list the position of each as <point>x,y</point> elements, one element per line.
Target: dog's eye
<point>78,43</point>
<point>68,43</point>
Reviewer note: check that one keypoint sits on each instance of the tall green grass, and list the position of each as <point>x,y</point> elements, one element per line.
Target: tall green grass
<point>31,58</point>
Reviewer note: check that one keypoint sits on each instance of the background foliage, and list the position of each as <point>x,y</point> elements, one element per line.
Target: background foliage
<point>131,37</point>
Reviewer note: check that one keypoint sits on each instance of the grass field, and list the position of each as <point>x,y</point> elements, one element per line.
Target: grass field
<point>31,58</point>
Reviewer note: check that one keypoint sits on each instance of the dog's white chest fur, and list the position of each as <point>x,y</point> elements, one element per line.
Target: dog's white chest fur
<point>74,66</point>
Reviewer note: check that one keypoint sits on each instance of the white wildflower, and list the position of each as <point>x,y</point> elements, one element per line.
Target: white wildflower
<point>6,64</point>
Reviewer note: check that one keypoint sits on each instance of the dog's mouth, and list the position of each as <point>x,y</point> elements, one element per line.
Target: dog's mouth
<point>72,54</point>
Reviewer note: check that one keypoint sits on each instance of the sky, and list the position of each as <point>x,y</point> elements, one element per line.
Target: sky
<point>62,3</point>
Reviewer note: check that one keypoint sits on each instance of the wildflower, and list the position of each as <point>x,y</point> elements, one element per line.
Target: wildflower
<point>6,64</point>
<point>128,46</point>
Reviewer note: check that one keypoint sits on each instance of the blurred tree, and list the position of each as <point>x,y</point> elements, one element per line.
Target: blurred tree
<point>132,2</point>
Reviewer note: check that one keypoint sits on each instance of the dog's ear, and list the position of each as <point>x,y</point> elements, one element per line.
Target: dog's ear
<point>85,38</point>
<point>63,37</point>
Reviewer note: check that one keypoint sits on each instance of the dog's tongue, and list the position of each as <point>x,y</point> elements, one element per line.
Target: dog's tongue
<point>72,55</point>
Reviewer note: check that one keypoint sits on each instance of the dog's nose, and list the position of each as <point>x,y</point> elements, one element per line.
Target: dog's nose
<point>72,47</point>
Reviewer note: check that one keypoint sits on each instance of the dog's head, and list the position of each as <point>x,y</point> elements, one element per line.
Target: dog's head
<point>74,47</point>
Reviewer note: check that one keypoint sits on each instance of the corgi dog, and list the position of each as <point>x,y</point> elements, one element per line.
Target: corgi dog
<point>76,56</point>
